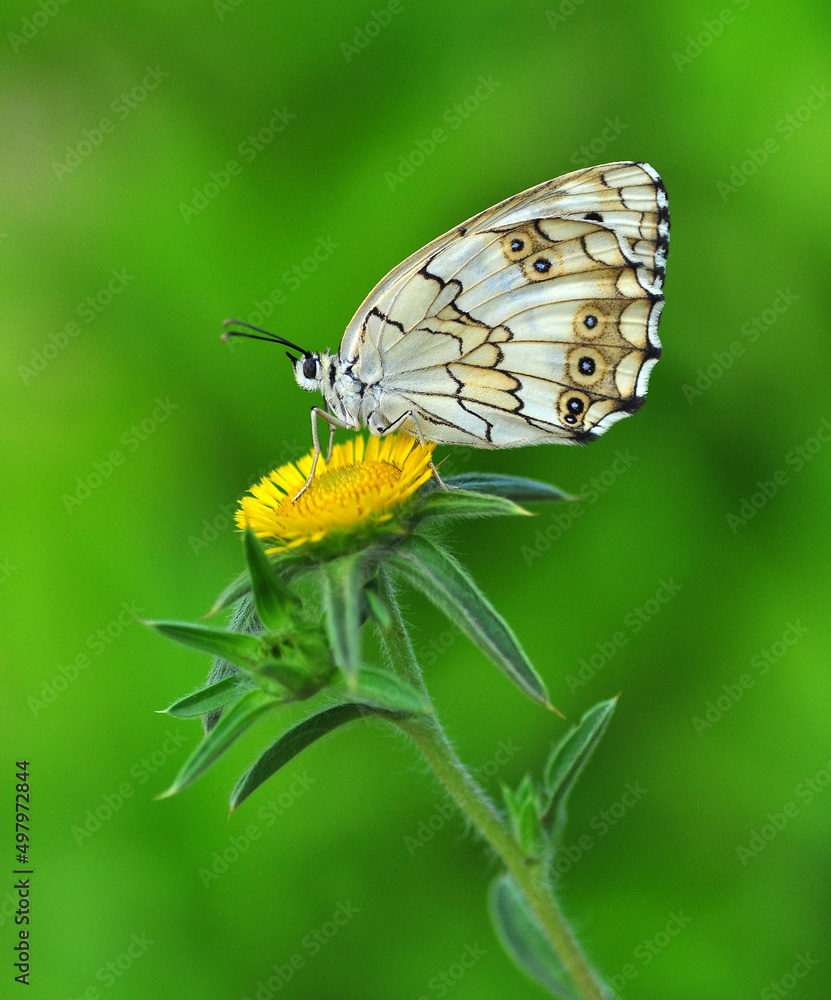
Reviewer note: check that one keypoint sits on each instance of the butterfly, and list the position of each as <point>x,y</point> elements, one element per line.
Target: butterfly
<point>535,321</point>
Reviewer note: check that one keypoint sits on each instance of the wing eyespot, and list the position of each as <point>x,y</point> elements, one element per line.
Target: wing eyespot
<point>572,406</point>
<point>542,265</point>
<point>592,321</point>
<point>586,366</point>
<point>520,243</point>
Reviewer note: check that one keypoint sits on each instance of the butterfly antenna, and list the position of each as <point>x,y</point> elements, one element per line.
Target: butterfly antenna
<point>270,337</point>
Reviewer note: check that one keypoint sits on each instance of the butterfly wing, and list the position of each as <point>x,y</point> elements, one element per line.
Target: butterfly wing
<point>534,321</point>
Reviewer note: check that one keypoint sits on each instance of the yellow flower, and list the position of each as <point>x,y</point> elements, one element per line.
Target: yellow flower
<point>363,484</point>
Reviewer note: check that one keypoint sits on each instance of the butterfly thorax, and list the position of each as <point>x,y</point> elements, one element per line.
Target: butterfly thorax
<point>343,392</point>
<point>357,402</point>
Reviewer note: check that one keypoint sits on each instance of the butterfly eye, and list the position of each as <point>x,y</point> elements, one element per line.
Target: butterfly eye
<point>542,265</point>
<point>586,366</point>
<point>310,367</point>
<point>590,322</point>
<point>517,244</point>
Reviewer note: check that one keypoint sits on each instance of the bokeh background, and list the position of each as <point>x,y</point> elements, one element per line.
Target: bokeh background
<point>123,246</point>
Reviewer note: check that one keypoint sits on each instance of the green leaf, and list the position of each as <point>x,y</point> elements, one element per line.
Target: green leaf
<point>376,607</point>
<point>209,698</point>
<point>294,741</point>
<point>273,600</point>
<point>566,762</point>
<point>232,723</point>
<point>290,674</point>
<point>458,503</point>
<point>524,809</point>
<point>243,650</point>
<point>342,584</point>
<point>387,691</point>
<point>525,789</point>
<point>513,804</point>
<point>523,938</point>
<point>529,829</point>
<point>233,592</point>
<point>453,591</point>
<point>511,487</point>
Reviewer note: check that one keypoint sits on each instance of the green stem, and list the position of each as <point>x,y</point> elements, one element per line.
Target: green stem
<point>428,735</point>
<point>430,738</point>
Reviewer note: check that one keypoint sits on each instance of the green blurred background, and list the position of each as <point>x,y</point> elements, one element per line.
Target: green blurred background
<point>118,230</point>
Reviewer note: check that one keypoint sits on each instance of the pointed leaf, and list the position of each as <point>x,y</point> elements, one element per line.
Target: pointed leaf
<point>516,488</point>
<point>272,598</point>
<point>290,674</point>
<point>529,830</point>
<point>513,805</point>
<point>390,692</point>
<point>294,741</point>
<point>525,789</point>
<point>452,590</point>
<point>209,698</point>
<point>342,586</point>
<point>522,937</point>
<point>568,759</point>
<point>232,723</point>
<point>243,650</point>
<point>459,503</point>
<point>376,607</point>
<point>233,592</point>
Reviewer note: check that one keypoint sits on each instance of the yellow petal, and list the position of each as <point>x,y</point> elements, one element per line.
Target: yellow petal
<point>364,481</point>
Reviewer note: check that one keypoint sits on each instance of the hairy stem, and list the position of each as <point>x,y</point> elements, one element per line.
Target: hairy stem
<point>431,740</point>
<point>428,735</point>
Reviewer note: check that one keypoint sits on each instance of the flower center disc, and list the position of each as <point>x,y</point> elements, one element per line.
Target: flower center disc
<point>347,484</point>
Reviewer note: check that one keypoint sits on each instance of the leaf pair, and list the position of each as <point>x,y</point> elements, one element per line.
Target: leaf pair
<point>377,693</point>
<point>538,811</point>
<point>538,816</point>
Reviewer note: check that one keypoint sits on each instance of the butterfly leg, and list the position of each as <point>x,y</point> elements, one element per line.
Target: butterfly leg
<point>410,415</point>
<point>331,443</point>
<point>333,422</point>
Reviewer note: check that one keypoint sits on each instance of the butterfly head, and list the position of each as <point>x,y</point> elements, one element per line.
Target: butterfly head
<point>309,369</point>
